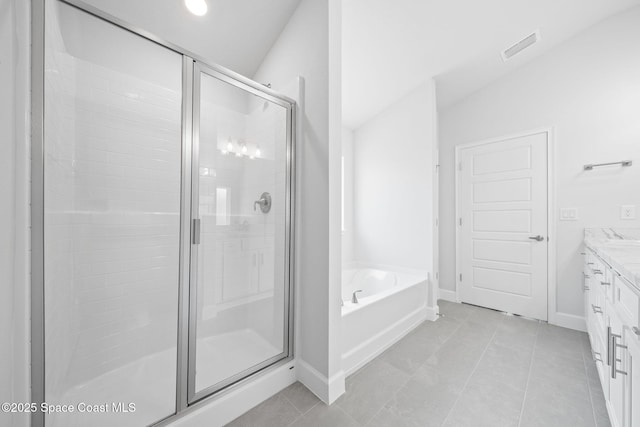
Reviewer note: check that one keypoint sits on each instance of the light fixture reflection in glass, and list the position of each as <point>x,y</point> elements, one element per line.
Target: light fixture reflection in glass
<point>230,147</point>
<point>244,148</point>
<point>197,7</point>
<point>258,153</point>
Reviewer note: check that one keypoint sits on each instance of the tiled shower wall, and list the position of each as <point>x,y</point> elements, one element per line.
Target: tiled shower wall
<point>231,114</point>
<point>112,197</point>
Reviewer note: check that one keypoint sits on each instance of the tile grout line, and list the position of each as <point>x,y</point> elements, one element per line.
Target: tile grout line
<point>302,414</point>
<point>593,407</point>
<point>471,375</point>
<point>290,402</point>
<point>350,417</point>
<point>414,374</point>
<point>526,388</point>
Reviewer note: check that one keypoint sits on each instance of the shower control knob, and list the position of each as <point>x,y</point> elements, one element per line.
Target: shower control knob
<point>264,203</point>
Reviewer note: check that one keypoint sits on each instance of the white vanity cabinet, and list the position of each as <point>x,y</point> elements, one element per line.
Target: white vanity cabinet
<point>617,381</point>
<point>612,313</point>
<point>633,374</point>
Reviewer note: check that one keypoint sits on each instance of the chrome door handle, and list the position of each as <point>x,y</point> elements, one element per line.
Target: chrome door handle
<point>636,330</point>
<point>195,239</point>
<point>537,238</point>
<point>596,309</point>
<point>605,283</point>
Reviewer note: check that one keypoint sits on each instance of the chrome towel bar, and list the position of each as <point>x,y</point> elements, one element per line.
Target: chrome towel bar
<point>623,163</point>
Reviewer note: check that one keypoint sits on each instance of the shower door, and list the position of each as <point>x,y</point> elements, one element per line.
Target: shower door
<point>239,302</point>
<point>110,200</point>
<point>161,212</point>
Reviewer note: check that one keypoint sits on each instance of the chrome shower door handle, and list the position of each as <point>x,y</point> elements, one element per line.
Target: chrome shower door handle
<point>537,238</point>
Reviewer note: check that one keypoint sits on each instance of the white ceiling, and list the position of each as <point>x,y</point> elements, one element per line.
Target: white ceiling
<point>391,47</point>
<point>236,34</point>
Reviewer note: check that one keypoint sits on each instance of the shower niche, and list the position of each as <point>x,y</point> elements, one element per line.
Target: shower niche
<point>162,269</point>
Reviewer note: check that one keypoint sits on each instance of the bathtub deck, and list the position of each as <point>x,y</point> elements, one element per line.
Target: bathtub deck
<point>473,367</point>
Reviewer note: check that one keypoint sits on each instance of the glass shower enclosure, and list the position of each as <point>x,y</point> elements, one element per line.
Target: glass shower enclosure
<point>162,223</point>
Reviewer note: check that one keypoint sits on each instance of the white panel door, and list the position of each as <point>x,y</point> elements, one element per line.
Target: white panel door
<point>502,246</point>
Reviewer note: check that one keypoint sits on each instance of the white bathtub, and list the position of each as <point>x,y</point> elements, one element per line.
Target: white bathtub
<point>390,305</point>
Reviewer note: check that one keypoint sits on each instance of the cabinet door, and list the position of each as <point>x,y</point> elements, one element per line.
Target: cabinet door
<point>267,271</point>
<point>633,379</point>
<point>600,350</point>
<point>240,275</point>
<point>617,358</point>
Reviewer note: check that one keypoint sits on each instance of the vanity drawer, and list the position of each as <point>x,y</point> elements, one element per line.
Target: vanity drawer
<point>605,281</point>
<point>626,301</point>
<point>597,307</point>
<point>601,274</point>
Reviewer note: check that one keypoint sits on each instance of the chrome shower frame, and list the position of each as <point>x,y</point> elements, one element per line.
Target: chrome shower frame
<point>187,399</point>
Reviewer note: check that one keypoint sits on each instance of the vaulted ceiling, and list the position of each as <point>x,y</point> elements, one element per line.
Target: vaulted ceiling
<point>390,47</point>
<point>236,34</point>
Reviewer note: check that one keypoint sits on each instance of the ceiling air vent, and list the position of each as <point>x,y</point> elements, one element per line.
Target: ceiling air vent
<point>512,51</point>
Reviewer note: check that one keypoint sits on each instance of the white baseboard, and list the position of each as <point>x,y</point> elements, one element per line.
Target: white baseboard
<point>570,321</point>
<point>326,389</point>
<point>219,411</point>
<point>447,295</point>
<point>377,344</point>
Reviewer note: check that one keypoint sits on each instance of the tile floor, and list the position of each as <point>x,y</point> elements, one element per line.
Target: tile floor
<point>473,367</point>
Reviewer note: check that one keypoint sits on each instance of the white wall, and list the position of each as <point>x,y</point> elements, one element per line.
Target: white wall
<point>393,178</point>
<point>304,49</point>
<point>348,233</point>
<point>588,91</point>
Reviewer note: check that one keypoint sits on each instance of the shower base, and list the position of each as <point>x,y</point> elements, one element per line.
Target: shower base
<point>152,393</point>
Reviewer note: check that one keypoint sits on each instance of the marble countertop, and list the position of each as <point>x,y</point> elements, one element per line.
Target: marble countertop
<point>618,247</point>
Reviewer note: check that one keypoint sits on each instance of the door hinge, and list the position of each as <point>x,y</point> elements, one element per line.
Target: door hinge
<point>196,232</point>
<point>460,166</point>
<point>437,275</point>
<point>460,221</point>
<point>461,277</point>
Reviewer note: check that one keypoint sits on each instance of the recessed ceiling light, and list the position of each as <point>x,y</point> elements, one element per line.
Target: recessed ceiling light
<point>197,7</point>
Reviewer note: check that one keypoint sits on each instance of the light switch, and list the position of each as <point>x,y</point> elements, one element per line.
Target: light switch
<point>568,214</point>
<point>628,212</point>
